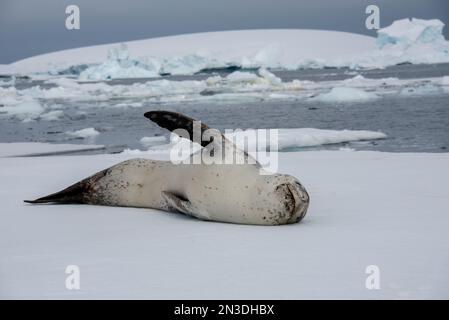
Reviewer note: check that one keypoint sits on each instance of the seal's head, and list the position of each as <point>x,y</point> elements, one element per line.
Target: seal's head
<point>288,197</point>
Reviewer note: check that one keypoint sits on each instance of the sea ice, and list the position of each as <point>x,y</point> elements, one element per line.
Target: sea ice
<point>87,133</point>
<point>366,208</point>
<point>345,94</point>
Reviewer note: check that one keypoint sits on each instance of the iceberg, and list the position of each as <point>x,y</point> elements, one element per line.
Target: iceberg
<point>411,32</point>
<point>120,65</point>
<point>408,41</point>
<point>404,41</point>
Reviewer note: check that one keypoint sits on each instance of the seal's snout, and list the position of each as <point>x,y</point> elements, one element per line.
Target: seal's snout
<point>296,201</point>
<point>302,200</point>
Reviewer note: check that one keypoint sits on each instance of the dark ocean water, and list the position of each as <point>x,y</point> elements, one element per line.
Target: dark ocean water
<point>413,123</point>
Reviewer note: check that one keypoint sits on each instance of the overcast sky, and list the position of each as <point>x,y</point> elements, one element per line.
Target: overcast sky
<point>31,27</point>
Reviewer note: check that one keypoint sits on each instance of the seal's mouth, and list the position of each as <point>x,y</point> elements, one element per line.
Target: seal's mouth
<point>300,199</point>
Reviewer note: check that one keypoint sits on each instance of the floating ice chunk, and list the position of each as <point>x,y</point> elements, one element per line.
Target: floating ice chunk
<point>425,89</point>
<point>347,149</point>
<point>274,80</point>
<point>238,76</point>
<point>361,81</point>
<point>52,115</point>
<point>26,111</point>
<point>445,81</point>
<point>261,140</point>
<point>302,137</point>
<point>345,94</point>
<point>88,133</point>
<point>152,141</point>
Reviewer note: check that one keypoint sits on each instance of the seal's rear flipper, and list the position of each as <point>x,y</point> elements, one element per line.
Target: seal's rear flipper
<point>183,206</point>
<point>80,192</point>
<point>72,194</point>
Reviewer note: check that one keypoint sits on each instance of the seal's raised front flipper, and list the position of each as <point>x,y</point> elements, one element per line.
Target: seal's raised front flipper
<point>80,192</point>
<point>174,121</point>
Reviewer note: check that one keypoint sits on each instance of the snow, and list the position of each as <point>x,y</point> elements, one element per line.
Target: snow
<point>39,148</point>
<point>367,208</point>
<point>345,94</point>
<point>425,89</point>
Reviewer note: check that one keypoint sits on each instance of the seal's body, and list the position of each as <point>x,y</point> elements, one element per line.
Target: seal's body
<point>235,193</point>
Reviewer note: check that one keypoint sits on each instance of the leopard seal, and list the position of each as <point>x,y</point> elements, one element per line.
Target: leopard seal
<point>233,193</point>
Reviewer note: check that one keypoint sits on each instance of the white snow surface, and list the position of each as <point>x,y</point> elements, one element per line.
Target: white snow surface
<point>367,208</point>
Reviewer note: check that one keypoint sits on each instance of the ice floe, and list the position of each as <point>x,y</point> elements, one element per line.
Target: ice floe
<point>345,94</point>
<point>87,133</point>
<point>152,141</point>
<point>26,111</point>
<point>252,140</point>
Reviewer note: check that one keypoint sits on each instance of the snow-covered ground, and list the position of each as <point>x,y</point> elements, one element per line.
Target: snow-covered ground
<point>405,41</point>
<point>367,208</point>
